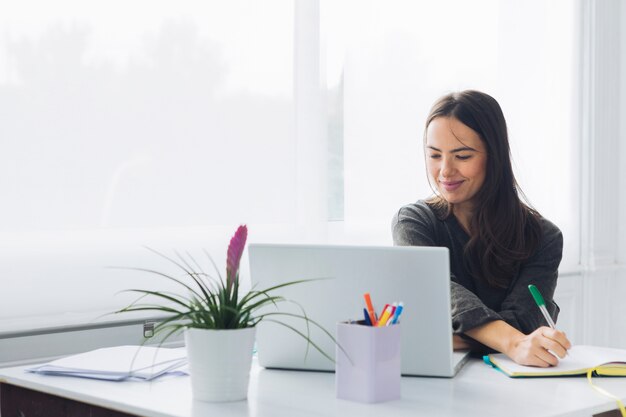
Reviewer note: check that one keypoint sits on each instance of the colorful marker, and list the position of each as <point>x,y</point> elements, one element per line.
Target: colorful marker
<point>396,315</point>
<point>394,307</point>
<point>385,316</point>
<point>366,315</point>
<point>370,308</point>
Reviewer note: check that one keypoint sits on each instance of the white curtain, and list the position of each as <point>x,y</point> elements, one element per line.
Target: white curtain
<point>129,124</point>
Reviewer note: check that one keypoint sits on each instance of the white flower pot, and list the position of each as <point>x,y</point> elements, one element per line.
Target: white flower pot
<point>219,363</point>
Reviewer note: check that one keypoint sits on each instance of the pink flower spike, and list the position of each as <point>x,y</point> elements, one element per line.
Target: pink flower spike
<point>235,250</point>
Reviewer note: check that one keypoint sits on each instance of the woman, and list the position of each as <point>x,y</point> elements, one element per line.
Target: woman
<point>498,245</point>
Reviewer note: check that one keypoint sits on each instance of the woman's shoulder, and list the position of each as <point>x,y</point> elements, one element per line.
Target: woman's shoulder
<point>551,242</point>
<point>419,211</point>
<point>415,224</point>
<point>549,231</point>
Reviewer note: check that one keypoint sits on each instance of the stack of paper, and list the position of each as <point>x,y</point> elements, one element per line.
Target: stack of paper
<point>119,363</point>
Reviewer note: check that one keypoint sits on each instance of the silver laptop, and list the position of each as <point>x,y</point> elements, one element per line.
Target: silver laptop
<point>417,276</point>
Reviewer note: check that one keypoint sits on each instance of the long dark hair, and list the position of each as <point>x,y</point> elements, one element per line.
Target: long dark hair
<point>504,231</point>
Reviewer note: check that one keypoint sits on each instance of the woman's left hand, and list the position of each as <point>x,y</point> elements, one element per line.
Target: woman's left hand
<point>458,343</point>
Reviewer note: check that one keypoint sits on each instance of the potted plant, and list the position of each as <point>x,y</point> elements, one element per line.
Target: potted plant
<point>219,323</point>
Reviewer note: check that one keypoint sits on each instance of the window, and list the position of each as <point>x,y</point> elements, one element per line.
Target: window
<point>162,124</point>
<point>124,125</point>
<point>391,60</point>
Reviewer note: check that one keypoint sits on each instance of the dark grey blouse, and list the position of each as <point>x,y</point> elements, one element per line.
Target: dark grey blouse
<point>474,302</point>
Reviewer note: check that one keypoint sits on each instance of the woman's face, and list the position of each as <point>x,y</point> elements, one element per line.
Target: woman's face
<point>456,161</point>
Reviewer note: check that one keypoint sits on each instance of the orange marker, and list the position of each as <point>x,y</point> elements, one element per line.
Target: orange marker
<point>370,308</point>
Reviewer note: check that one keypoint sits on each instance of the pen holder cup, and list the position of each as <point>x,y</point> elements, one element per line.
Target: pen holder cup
<point>367,367</point>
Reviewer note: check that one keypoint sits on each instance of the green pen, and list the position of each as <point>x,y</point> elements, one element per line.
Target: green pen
<point>541,304</point>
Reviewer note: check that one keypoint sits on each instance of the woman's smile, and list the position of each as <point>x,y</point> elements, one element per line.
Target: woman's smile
<point>451,185</point>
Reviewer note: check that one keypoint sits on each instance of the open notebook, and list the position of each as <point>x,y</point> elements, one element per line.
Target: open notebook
<point>580,359</point>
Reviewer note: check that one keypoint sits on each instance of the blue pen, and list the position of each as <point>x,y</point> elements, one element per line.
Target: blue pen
<point>396,315</point>
<point>368,322</point>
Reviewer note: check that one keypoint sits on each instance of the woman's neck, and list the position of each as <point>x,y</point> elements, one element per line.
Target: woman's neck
<point>463,215</point>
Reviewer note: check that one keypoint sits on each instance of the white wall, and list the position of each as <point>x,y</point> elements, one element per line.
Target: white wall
<point>591,300</point>
<point>622,142</point>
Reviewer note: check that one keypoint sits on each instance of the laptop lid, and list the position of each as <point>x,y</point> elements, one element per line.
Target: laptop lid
<point>417,276</point>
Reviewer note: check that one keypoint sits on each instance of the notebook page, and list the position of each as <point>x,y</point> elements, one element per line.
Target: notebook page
<point>579,358</point>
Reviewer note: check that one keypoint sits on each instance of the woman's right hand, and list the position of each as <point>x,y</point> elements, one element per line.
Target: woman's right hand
<point>534,349</point>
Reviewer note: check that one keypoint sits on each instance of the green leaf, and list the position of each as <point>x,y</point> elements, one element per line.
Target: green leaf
<point>211,303</point>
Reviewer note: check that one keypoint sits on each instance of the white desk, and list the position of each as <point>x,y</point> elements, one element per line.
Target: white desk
<point>477,391</point>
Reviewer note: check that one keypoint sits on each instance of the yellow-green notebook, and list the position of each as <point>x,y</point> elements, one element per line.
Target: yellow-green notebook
<point>579,360</point>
